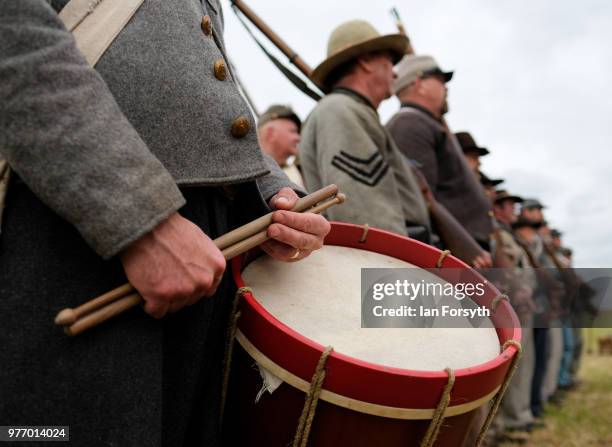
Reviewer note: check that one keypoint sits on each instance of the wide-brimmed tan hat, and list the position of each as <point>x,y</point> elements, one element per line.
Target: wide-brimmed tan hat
<point>352,39</point>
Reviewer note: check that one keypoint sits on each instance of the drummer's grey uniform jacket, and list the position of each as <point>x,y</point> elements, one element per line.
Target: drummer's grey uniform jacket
<point>421,137</point>
<point>343,142</point>
<point>106,148</point>
<point>101,157</point>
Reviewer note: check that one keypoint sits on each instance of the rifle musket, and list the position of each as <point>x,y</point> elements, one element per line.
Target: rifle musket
<point>293,56</point>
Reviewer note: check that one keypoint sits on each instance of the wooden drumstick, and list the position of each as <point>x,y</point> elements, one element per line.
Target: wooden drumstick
<point>264,221</point>
<point>262,236</point>
<point>70,316</point>
<point>103,314</point>
<point>113,303</point>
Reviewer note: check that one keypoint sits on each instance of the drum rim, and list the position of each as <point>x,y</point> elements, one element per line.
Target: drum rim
<point>504,357</point>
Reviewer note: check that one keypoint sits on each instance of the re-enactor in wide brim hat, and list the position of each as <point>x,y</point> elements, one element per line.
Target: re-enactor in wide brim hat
<point>352,39</point>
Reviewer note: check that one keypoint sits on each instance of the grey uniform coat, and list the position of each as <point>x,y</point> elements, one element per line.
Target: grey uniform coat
<point>102,156</point>
<point>421,137</point>
<point>106,148</point>
<point>516,409</point>
<point>343,142</point>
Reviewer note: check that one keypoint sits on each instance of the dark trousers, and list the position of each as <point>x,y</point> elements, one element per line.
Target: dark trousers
<point>132,381</point>
<point>540,337</point>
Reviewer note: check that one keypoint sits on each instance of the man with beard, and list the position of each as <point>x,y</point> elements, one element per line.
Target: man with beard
<point>421,134</point>
<point>344,141</point>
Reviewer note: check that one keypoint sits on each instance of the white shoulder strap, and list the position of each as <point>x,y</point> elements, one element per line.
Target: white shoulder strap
<point>96,23</point>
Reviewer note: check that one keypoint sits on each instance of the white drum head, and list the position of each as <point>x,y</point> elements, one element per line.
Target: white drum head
<point>320,297</point>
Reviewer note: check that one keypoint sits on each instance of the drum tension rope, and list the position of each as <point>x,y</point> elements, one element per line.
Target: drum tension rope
<point>312,399</point>
<point>229,345</point>
<point>499,298</point>
<point>438,417</point>
<point>364,235</point>
<point>442,257</point>
<point>502,390</point>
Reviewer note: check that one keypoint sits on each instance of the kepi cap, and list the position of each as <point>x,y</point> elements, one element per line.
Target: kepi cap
<point>412,67</point>
<point>532,203</point>
<point>278,111</point>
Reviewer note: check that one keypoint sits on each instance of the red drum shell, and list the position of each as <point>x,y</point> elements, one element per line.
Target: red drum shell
<point>368,382</point>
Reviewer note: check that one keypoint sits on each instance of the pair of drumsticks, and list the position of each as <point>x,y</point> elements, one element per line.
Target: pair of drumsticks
<point>231,244</point>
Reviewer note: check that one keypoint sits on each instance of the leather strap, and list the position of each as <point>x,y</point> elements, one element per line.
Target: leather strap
<point>96,23</point>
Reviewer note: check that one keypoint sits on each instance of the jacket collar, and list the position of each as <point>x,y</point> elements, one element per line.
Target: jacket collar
<point>355,95</point>
<point>414,105</point>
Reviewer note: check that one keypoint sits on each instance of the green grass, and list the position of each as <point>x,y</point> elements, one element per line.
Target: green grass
<point>604,320</point>
<point>584,419</point>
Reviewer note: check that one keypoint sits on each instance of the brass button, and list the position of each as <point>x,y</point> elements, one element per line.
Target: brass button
<point>241,127</point>
<point>206,25</point>
<point>220,70</point>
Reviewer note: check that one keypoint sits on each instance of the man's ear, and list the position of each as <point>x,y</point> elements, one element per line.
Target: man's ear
<point>272,129</point>
<point>417,85</point>
<point>266,131</point>
<point>365,62</point>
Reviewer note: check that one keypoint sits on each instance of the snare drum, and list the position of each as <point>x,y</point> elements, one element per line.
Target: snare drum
<point>382,386</point>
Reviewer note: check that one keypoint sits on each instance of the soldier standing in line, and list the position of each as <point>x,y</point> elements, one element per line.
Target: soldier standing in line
<point>519,283</point>
<point>344,140</point>
<point>471,151</point>
<point>278,130</point>
<point>420,134</point>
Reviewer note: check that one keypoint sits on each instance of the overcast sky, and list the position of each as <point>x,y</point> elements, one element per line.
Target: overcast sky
<point>532,83</point>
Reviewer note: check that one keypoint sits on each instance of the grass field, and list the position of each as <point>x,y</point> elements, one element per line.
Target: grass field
<point>584,419</point>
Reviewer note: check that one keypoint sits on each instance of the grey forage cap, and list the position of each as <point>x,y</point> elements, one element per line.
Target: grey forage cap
<point>412,67</point>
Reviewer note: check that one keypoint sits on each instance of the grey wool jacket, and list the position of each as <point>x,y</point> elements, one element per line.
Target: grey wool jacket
<point>343,142</point>
<point>107,149</point>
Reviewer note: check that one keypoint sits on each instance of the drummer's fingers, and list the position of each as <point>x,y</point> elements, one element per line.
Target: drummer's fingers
<point>487,259</point>
<point>283,252</point>
<point>295,238</point>
<point>156,308</point>
<point>306,222</point>
<point>284,199</point>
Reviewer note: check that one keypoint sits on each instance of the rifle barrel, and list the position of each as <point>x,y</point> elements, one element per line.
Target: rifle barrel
<point>294,58</point>
<point>401,29</point>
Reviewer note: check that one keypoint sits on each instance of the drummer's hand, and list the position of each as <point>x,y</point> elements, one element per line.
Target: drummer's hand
<point>483,260</point>
<point>293,236</point>
<point>173,266</point>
